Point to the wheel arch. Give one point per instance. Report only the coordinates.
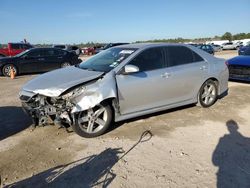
(215, 80)
(114, 104)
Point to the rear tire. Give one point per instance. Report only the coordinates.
(208, 94)
(7, 68)
(93, 122)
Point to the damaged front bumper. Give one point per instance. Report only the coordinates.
(46, 110)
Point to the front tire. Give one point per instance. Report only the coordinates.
(93, 122)
(7, 70)
(208, 94)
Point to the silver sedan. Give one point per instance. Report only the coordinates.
(125, 82)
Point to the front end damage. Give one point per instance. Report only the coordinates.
(61, 109)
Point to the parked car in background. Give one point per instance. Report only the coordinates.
(207, 48)
(244, 50)
(37, 60)
(239, 67)
(13, 49)
(98, 48)
(113, 44)
(230, 46)
(69, 48)
(125, 82)
(216, 47)
(88, 51)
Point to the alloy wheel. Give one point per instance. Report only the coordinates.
(7, 70)
(93, 120)
(209, 94)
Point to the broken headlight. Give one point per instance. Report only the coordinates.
(74, 93)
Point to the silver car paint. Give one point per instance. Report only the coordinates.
(132, 92)
(95, 93)
(54, 83)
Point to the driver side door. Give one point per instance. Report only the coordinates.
(29, 63)
(147, 88)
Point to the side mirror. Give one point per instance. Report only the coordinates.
(130, 69)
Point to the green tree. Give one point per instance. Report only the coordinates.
(227, 36)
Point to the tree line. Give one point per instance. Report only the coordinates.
(226, 36)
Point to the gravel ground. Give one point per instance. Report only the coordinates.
(189, 147)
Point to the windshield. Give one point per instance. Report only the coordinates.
(107, 60)
(20, 54)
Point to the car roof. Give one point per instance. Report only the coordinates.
(148, 45)
(46, 48)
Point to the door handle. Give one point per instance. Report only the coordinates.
(59, 57)
(40, 59)
(166, 75)
(203, 67)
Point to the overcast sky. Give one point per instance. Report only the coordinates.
(76, 21)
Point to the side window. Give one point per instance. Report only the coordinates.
(60, 52)
(35, 53)
(179, 55)
(149, 59)
(197, 58)
(26, 46)
(15, 46)
(49, 52)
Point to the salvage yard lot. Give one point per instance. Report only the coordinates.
(184, 150)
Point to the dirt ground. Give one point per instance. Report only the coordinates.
(189, 147)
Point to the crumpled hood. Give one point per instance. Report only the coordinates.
(54, 83)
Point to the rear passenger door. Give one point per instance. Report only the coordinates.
(52, 59)
(187, 73)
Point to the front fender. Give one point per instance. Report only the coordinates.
(95, 93)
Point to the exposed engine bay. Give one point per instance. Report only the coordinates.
(46, 110)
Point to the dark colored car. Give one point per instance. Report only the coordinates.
(13, 49)
(239, 68)
(37, 60)
(207, 48)
(113, 44)
(244, 50)
(73, 49)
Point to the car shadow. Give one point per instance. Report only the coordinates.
(12, 120)
(91, 171)
(232, 156)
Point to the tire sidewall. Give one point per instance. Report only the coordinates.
(75, 126)
(200, 102)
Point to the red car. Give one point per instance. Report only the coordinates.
(14, 48)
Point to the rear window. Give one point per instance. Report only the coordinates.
(60, 52)
(16, 46)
